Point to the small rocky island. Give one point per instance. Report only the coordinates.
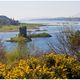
(24, 37)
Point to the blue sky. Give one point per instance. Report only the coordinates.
(39, 9)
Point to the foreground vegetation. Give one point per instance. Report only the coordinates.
(48, 66)
(8, 28)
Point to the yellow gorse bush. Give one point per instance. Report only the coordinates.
(48, 66)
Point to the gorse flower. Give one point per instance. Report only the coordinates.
(48, 66)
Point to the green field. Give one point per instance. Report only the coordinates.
(10, 28)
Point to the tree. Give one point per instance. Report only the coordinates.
(68, 41)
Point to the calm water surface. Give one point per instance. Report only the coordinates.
(40, 44)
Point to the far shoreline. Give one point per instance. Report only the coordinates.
(15, 28)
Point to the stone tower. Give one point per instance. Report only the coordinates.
(23, 31)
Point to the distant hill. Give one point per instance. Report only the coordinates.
(4, 20)
(51, 19)
(58, 19)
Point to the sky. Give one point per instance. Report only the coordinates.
(39, 9)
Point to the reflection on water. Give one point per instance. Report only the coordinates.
(25, 49)
(22, 49)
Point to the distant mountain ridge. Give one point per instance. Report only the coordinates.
(38, 20)
(59, 19)
(4, 20)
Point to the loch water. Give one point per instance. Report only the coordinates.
(37, 45)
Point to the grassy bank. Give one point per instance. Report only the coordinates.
(39, 35)
(8, 28)
(48, 66)
(19, 39)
